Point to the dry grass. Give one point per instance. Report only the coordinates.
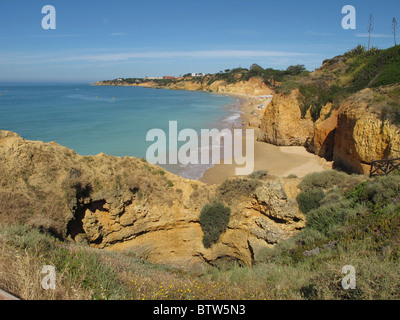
(84, 273)
(20, 274)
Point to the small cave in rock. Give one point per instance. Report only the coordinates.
(328, 146)
(75, 225)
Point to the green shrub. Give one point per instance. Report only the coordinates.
(357, 51)
(358, 193)
(391, 112)
(214, 219)
(315, 96)
(232, 189)
(310, 199)
(377, 193)
(259, 174)
(327, 218)
(329, 179)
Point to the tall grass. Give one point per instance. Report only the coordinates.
(80, 274)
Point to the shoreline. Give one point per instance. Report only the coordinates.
(280, 161)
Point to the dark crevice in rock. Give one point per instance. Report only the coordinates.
(75, 225)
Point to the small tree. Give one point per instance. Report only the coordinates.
(394, 24)
(256, 70)
(295, 70)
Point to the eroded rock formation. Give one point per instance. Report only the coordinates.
(129, 205)
(282, 123)
(352, 135)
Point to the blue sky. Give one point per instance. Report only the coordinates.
(96, 40)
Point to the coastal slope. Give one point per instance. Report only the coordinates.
(129, 205)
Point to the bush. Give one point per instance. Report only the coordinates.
(232, 189)
(391, 112)
(259, 174)
(310, 199)
(327, 218)
(214, 219)
(314, 96)
(377, 193)
(357, 51)
(328, 179)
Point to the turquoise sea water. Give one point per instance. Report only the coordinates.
(113, 120)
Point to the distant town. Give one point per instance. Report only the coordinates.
(195, 75)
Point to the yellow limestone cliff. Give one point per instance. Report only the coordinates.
(127, 204)
(253, 87)
(352, 135)
(282, 123)
(362, 135)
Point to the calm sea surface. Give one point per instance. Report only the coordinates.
(113, 120)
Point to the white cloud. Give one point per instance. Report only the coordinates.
(373, 35)
(207, 54)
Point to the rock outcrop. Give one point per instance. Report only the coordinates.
(322, 140)
(363, 136)
(282, 123)
(127, 204)
(352, 135)
(254, 86)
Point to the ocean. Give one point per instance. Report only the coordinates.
(112, 120)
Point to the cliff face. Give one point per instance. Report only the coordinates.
(282, 123)
(127, 204)
(254, 86)
(362, 135)
(322, 140)
(352, 135)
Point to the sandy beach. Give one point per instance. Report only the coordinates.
(278, 161)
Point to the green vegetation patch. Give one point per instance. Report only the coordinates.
(310, 199)
(214, 219)
(233, 189)
(355, 223)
